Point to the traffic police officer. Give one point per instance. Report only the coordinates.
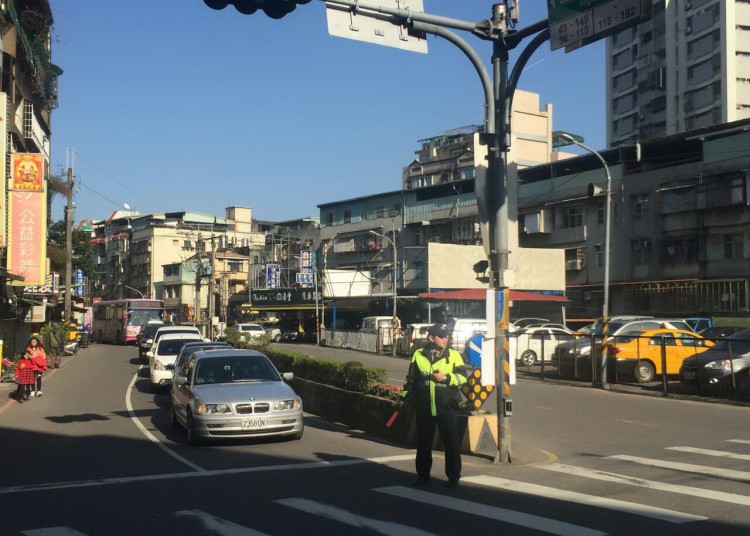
(432, 388)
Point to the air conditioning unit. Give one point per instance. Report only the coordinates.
(574, 264)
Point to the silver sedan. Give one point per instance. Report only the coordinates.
(218, 394)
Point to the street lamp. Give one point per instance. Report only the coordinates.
(395, 265)
(135, 289)
(577, 140)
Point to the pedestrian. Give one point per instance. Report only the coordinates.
(432, 389)
(24, 374)
(39, 361)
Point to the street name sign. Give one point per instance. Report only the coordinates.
(574, 23)
(361, 24)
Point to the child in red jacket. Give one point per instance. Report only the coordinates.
(39, 360)
(24, 374)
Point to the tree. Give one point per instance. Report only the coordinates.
(81, 249)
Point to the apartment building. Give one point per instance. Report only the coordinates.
(686, 68)
(680, 233)
(435, 207)
(28, 95)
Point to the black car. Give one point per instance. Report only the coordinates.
(718, 332)
(296, 336)
(146, 334)
(712, 370)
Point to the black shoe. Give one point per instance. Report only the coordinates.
(421, 482)
(452, 483)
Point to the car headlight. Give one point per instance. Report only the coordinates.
(288, 404)
(210, 409)
(720, 364)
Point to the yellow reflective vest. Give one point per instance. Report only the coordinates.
(420, 386)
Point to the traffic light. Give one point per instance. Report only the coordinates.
(273, 8)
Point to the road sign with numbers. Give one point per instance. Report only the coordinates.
(574, 23)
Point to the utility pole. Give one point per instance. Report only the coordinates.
(68, 248)
(211, 259)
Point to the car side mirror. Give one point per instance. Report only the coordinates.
(149, 354)
(288, 376)
(179, 380)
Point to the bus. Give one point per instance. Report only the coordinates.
(119, 321)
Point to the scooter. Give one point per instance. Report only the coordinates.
(71, 348)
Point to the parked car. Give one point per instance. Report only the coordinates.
(699, 323)
(461, 329)
(581, 347)
(219, 394)
(718, 332)
(273, 330)
(296, 336)
(712, 370)
(415, 336)
(249, 331)
(527, 345)
(521, 323)
(161, 359)
(638, 353)
(153, 331)
(192, 347)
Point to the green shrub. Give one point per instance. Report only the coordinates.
(351, 376)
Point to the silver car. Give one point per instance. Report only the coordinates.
(218, 394)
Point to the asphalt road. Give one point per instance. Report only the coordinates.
(95, 456)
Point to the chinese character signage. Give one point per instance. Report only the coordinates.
(27, 237)
(305, 269)
(51, 285)
(273, 275)
(283, 297)
(79, 288)
(28, 172)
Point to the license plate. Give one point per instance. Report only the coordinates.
(688, 375)
(253, 424)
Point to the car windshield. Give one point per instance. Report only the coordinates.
(233, 369)
(171, 347)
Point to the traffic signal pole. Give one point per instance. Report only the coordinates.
(492, 192)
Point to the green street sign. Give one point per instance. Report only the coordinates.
(574, 23)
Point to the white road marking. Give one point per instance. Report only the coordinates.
(148, 434)
(745, 441)
(651, 484)
(663, 514)
(686, 467)
(337, 514)
(707, 452)
(200, 474)
(53, 531)
(217, 525)
(640, 423)
(512, 517)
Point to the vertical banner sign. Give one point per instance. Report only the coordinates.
(273, 275)
(79, 289)
(306, 267)
(27, 237)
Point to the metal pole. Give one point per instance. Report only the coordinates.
(395, 292)
(607, 237)
(68, 248)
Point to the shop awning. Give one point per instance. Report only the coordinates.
(481, 294)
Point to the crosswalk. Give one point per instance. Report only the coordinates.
(575, 490)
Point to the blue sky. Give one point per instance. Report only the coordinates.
(170, 105)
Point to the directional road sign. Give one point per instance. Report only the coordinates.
(574, 23)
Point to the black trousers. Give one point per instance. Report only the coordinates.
(446, 423)
(23, 391)
(38, 383)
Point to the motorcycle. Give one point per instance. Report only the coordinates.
(71, 348)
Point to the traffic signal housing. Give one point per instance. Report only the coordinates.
(275, 9)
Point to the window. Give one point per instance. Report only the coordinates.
(600, 257)
(601, 213)
(641, 250)
(733, 245)
(418, 237)
(347, 216)
(418, 268)
(329, 218)
(234, 265)
(574, 217)
(640, 206)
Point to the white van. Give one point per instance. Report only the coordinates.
(461, 329)
(382, 326)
